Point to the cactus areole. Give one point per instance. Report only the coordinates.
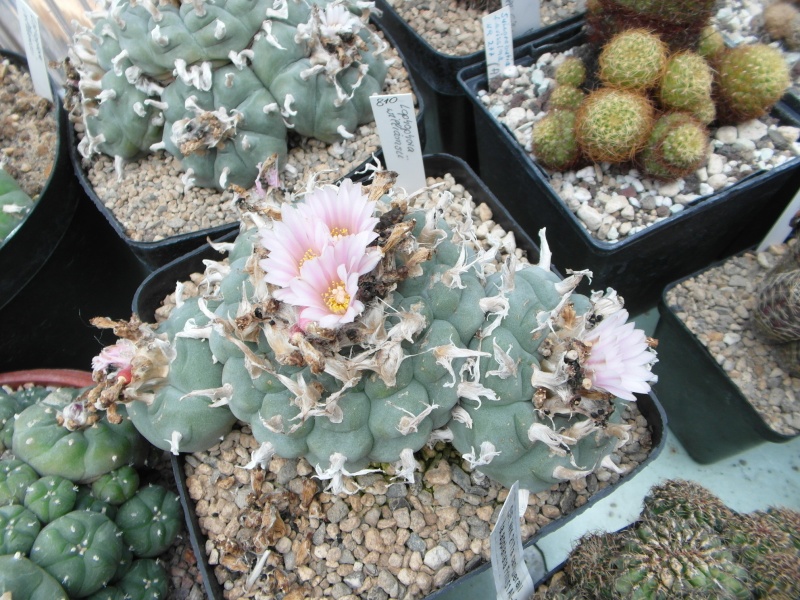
(349, 330)
(219, 84)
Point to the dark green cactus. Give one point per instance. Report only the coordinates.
(51, 497)
(15, 478)
(81, 550)
(85, 500)
(150, 521)
(117, 486)
(80, 456)
(22, 578)
(18, 529)
(145, 580)
(11, 404)
(687, 500)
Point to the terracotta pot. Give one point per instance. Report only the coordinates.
(56, 377)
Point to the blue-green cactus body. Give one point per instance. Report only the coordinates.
(79, 456)
(23, 578)
(150, 521)
(13, 403)
(50, 497)
(81, 550)
(18, 529)
(15, 478)
(14, 205)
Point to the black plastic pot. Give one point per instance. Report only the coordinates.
(640, 265)
(157, 254)
(449, 113)
(715, 420)
(162, 282)
(62, 267)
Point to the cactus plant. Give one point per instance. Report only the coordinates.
(678, 146)
(14, 205)
(81, 550)
(145, 580)
(13, 402)
(84, 500)
(777, 313)
(150, 520)
(50, 497)
(571, 72)
(634, 59)
(15, 477)
(553, 138)
(613, 125)
(565, 97)
(18, 529)
(22, 578)
(116, 487)
(750, 80)
(686, 543)
(350, 353)
(686, 83)
(42, 442)
(218, 84)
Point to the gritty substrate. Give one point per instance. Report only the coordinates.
(392, 540)
(151, 202)
(716, 306)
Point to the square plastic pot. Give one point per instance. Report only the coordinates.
(62, 266)
(715, 420)
(640, 265)
(162, 282)
(157, 254)
(449, 114)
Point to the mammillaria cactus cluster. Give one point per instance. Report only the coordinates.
(663, 76)
(76, 520)
(218, 85)
(686, 544)
(350, 331)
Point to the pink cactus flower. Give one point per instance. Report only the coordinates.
(327, 289)
(344, 210)
(620, 358)
(117, 357)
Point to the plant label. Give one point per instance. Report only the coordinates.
(396, 122)
(782, 228)
(511, 577)
(34, 51)
(526, 16)
(498, 42)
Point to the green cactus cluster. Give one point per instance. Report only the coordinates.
(91, 530)
(776, 316)
(686, 544)
(440, 352)
(15, 204)
(653, 105)
(219, 85)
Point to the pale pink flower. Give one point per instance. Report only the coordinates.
(327, 289)
(620, 359)
(344, 210)
(118, 357)
(291, 241)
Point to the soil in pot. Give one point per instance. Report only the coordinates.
(152, 203)
(716, 306)
(453, 27)
(28, 130)
(406, 540)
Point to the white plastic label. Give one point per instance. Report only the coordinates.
(511, 577)
(498, 42)
(526, 15)
(34, 51)
(781, 230)
(397, 128)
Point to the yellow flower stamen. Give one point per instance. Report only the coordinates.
(337, 298)
(339, 232)
(307, 256)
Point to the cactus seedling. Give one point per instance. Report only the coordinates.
(554, 143)
(677, 146)
(750, 80)
(612, 125)
(353, 331)
(571, 72)
(686, 84)
(565, 97)
(633, 60)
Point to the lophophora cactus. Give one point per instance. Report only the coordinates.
(351, 332)
(686, 544)
(777, 313)
(15, 204)
(219, 85)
